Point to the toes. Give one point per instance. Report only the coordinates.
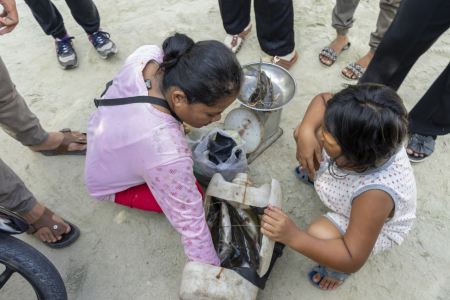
(316, 277)
(77, 147)
(57, 218)
(41, 237)
(416, 154)
(336, 284)
(409, 151)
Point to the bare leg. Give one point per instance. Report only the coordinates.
(324, 229)
(340, 42)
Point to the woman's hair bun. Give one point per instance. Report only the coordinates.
(174, 47)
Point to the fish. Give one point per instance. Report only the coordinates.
(213, 222)
(226, 223)
(263, 96)
(242, 241)
(250, 221)
(260, 91)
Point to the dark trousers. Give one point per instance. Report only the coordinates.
(417, 25)
(274, 22)
(83, 11)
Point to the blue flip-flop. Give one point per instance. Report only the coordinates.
(303, 176)
(323, 272)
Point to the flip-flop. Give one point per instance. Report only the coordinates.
(329, 53)
(303, 176)
(56, 228)
(68, 139)
(420, 144)
(323, 272)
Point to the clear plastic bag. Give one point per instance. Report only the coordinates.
(199, 141)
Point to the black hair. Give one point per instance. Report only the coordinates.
(369, 123)
(205, 71)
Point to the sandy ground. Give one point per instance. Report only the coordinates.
(130, 254)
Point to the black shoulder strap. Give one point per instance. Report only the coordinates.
(131, 100)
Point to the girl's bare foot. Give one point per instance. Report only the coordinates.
(340, 42)
(363, 62)
(44, 233)
(328, 283)
(55, 139)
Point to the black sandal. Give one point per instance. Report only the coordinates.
(56, 228)
(420, 144)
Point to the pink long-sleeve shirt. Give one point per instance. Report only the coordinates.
(133, 144)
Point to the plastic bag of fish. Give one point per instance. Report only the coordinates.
(235, 234)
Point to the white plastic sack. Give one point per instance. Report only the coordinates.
(198, 140)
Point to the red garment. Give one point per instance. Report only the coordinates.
(141, 197)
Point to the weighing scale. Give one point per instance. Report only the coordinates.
(258, 127)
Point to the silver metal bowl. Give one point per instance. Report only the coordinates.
(283, 82)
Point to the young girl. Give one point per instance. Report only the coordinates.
(138, 155)
(365, 178)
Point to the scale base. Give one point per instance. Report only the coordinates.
(264, 145)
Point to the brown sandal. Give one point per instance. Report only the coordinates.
(68, 139)
(241, 35)
(56, 228)
(284, 63)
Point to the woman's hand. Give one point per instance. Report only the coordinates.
(277, 226)
(9, 18)
(307, 147)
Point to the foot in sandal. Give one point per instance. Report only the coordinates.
(356, 70)
(64, 142)
(330, 53)
(324, 278)
(286, 61)
(235, 42)
(50, 228)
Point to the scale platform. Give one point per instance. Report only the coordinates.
(259, 128)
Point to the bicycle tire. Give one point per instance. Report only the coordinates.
(32, 266)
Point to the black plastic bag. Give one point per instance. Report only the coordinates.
(221, 149)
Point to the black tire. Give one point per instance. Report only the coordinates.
(32, 265)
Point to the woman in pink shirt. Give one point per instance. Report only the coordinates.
(138, 155)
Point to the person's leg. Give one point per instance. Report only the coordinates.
(414, 29)
(51, 21)
(275, 27)
(48, 17)
(341, 20)
(323, 228)
(15, 196)
(388, 9)
(431, 115)
(235, 15)
(20, 123)
(85, 14)
(141, 197)
(236, 22)
(16, 119)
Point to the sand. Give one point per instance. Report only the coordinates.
(125, 253)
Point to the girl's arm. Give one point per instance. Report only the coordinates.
(307, 144)
(347, 254)
(174, 187)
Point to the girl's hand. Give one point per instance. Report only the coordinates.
(277, 226)
(307, 147)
